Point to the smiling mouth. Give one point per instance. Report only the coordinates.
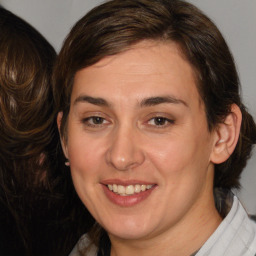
(128, 190)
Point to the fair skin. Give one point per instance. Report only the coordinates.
(136, 119)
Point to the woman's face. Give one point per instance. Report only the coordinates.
(138, 143)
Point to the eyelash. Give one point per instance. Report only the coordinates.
(87, 120)
(160, 122)
(160, 119)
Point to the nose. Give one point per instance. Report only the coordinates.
(125, 152)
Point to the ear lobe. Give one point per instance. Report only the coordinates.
(227, 134)
(62, 137)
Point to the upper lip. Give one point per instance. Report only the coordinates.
(125, 182)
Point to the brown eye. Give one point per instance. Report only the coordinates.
(95, 121)
(159, 121)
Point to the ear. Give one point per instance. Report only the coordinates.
(63, 139)
(227, 134)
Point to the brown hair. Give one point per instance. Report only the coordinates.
(116, 25)
(26, 120)
(32, 183)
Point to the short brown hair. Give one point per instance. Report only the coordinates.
(116, 25)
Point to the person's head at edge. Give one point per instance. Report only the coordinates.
(26, 103)
(25, 96)
(121, 29)
(31, 174)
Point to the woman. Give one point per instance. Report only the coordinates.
(35, 216)
(154, 131)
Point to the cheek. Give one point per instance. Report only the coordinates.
(172, 154)
(82, 154)
(87, 160)
(83, 150)
(83, 158)
(181, 155)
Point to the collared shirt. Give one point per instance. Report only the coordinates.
(235, 236)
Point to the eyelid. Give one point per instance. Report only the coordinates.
(170, 119)
(89, 116)
(160, 114)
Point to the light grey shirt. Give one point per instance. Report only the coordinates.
(235, 236)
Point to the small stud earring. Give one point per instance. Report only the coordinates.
(67, 163)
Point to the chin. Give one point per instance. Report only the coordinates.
(129, 229)
(128, 235)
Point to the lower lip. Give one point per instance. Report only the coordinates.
(127, 201)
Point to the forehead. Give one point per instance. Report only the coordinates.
(146, 69)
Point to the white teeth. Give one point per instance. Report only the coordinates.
(120, 189)
(128, 190)
(143, 187)
(115, 188)
(137, 188)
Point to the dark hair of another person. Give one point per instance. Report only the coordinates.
(34, 213)
(117, 25)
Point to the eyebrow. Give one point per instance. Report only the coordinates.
(92, 100)
(152, 101)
